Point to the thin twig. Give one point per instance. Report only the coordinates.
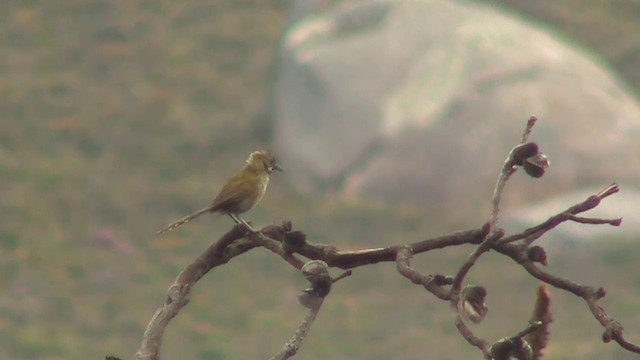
(342, 276)
(594, 221)
(529, 329)
(293, 345)
(454, 300)
(527, 130)
(588, 204)
(508, 168)
(589, 294)
(276, 247)
(433, 284)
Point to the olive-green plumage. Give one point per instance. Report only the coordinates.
(241, 193)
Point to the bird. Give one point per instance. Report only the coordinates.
(241, 193)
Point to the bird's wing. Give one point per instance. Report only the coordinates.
(232, 194)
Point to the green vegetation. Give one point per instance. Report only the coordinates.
(117, 117)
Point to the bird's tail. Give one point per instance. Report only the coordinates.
(184, 220)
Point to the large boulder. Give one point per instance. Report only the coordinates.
(419, 102)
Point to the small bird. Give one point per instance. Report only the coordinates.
(241, 193)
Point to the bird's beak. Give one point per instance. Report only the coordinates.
(277, 167)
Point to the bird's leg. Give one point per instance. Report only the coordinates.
(240, 220)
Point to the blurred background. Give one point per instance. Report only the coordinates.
(391, 119)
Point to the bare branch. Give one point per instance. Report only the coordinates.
(468, 335)
(527, 130)
(508, 168)
(591, 295)
(342, 276)
(293, 345)
(529, 329)
(317, 273)
(466, 303)
(588, 204)
(351, 259)
(594, 221)
(276, 247)
(230, 245)
(455, 292)
(433, 283)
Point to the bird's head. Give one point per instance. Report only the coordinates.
(263, 160)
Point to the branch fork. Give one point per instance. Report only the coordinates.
(467, 302)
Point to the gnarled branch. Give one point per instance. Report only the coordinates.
(466, 301)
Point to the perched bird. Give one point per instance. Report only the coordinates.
(241, 193)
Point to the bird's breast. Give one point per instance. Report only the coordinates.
(262, 188)
(257, 192)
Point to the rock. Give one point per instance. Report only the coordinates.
(419, 103)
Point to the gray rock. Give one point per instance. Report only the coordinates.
(419, 102)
